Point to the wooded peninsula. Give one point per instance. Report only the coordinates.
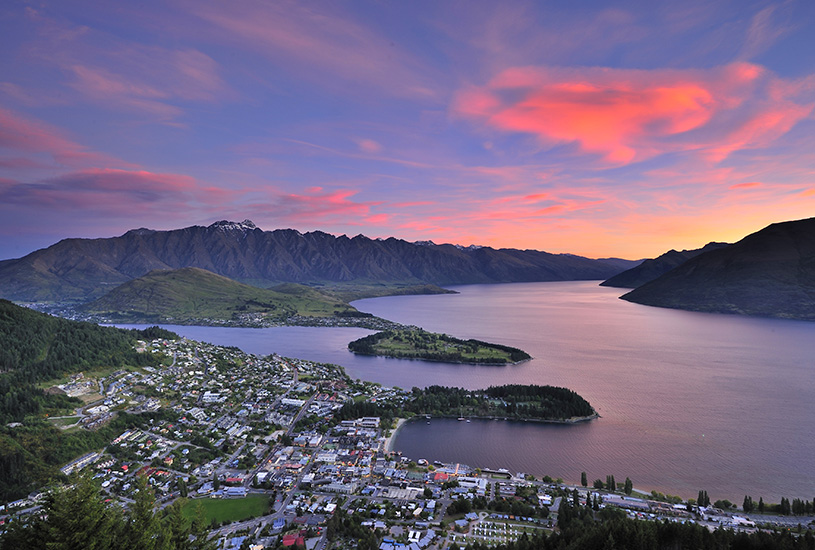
(511, 402)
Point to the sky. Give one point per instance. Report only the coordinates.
(604, 129)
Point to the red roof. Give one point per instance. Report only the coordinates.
(300, 541)
(440, 476)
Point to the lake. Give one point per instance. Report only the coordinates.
(689, 401)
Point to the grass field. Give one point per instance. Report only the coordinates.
(228, 509)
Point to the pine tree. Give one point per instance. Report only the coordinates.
(182, 487)
(584, 480)
(73, 518)
(761, 504)
(612, 485)
(142, 529)
(629, 486)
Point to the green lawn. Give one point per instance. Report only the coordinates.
(228, 509)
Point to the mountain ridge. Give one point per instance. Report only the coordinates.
(84, 269)
(652, 268)
(768, 273)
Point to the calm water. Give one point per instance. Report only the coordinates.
(688, 401)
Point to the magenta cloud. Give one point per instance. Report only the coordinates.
(625, 115)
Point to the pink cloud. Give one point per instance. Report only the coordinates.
(35, 138)
(369, 146)
(320, 42)
(746, 185)
(631, 115)
(314, 207)
(149, 79)
(377, 219)
(111, 191)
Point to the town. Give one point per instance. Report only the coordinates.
(256, 446)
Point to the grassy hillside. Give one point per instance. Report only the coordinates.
(189, 294)
(429, 346)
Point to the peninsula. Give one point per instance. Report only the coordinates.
(415, 343)
(510, 402)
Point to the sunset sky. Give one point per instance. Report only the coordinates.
(595, 128)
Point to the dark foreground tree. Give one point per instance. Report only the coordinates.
(78, 517)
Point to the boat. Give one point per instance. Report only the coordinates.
(468, 421)
(461, 419)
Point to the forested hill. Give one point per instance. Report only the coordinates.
(35, 347)
(84, 269)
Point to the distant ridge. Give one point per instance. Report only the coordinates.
(769, 273)
(83, 269)
(649, 270)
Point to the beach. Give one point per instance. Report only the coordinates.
(388, 446)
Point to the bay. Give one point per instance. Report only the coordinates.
(689, 401)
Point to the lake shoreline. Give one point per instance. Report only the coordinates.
(391, 439)
(507, 364)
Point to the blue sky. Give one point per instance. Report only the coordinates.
(597, 128)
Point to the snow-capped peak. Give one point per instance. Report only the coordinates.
(225, 225)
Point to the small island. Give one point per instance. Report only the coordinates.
(415, 343)
(531, 403)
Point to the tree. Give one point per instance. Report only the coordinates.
(182, 487)
(77, 517)
(611, 485)
(73, 518)
(216, 482)
(629, 486)
(784, 508)
(747, 505)
(761, 504)
(142, 528)
(584, 480)
(598, 484)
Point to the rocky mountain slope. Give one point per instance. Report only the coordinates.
(651, 269)
(82, 269)
(768, 273)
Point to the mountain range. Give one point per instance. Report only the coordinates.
(85, 269)
(655, 267)
(768, 273)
